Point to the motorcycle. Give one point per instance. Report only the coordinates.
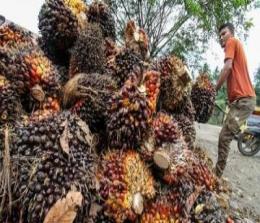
(248, 140)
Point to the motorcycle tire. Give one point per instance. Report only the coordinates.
(251, 147)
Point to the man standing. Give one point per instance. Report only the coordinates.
(241, 94)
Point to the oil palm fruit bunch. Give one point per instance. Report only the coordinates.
(175, 82)
(49, 107)
(136, 39)
(99, 12)
(188, 129)
(87, 55)
(123, 64)
(87, 95)
(163, 136)
(160, 210)
(170, 205)
(129, 116)
(166, 129)
(111, 49)
(125, 182)
(57, 56)
(60, 21)
(151, 82)
(203, 98)
(185, 107)
(53, 161)
(10, 105)
(12, 35)
(186, 166)
(27, 67)
(100, 217)
(207, 209)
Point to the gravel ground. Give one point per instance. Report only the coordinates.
(243, 173)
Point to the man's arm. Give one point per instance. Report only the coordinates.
(224, 73)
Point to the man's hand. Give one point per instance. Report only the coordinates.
(224, 73)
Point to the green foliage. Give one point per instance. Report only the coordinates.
(182, 27)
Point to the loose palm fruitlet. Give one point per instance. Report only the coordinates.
(207, 209)
(87, 95)
(136, 39)
(99, 12)
(123, 64)
(60, 22)
(53, 156)
(186, 166)
(27, 67)
(12, 35)
(125, 182)
(188, 129)
(10, 105)
(175, 82)
(129, 117)
(203, 98)
(88, 53)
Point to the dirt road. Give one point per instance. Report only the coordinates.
(242, 172)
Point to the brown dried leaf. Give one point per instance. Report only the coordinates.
(64, 139)
(84, 127)
(64, 210)
(94, 209)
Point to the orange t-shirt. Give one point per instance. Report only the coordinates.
(239, 84)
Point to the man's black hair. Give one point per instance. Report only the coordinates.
(2, 20)
(229, 25)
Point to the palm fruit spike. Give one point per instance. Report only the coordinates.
(87, 55)
(55, 155)
(175, 82)
(125, 182)
(188, 129)
(151, 81)
(99, 12)
(136, 39)
(203, 98)
(186, 166)
(129, 117)
(185, 107)
(10, 105)
(26, 67)
(206, 208)
(60, 21)
(87, 95)
(12, 35)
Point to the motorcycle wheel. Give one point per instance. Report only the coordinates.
(247, 144)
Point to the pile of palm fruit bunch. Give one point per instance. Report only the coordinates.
(97, 132)
(203, 98)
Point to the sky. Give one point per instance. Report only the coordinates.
(25, 13)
